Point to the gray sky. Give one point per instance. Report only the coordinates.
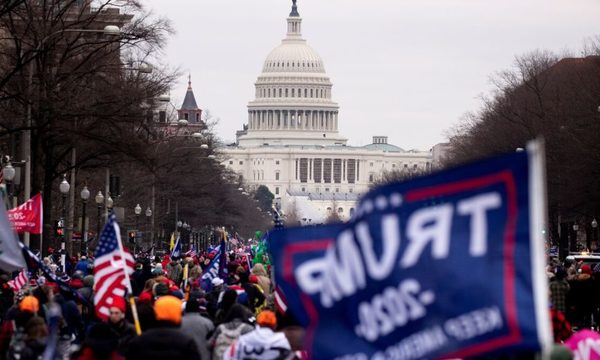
(408, 69)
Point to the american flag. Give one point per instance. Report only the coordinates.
(111, 273)
(20, 281)
(191, 252)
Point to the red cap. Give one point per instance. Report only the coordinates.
(119, 303)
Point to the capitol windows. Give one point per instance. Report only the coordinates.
(303, 170)
(269, 93)
(337, 171)
(350, 170)
(303, 189)
(276, 162)
(241, 163)
(277, 175)
(305, 92)
(351, 211)
(371, 178)
(327, 171)
(340, 210)
(280, 92)
(326, 189)
(230, 162)
(286, 92)
(185, 116)
(311, 93)
(371, 164)
(337, 190)
(293, 92)
(277, 191)
(317, 169)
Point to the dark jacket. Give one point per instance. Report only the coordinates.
(165, 341)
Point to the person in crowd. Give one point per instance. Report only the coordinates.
(236, 324)
(6, 295)
(84, 265)
(142, 273)
(197, 326)
(175, 271)
(559, 288)
(230, 297)
(146, 295)
(123, 330)
(582, 298)
(215, 295)
(255, 297)
(32, 343)
(263, 343)
(13, 333)
(164, 340)
(86, 308)
(100, 344)
(259, 271)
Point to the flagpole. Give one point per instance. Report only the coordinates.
(136, 320)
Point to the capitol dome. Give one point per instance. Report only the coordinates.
(293, 102)
(293, 56)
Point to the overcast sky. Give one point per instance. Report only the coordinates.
(408, 69)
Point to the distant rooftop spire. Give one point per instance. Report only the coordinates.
(189, 102)
(294, 12)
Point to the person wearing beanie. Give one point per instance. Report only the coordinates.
(30, 303)
(124, 331)
(197, 326)
(274, 344)
(583, 298)
(164, 340)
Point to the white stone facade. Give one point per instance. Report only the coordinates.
(291, 142)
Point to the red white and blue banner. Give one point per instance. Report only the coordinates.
(448, 265)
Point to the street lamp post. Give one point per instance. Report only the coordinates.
(137, 210)
(99, 201)
(148, 218)
(595, 232)
(64, 188)
(85, 195)
(8, 172)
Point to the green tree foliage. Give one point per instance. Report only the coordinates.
(264, 197)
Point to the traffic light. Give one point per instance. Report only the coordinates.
(131, 236)
(58, 228)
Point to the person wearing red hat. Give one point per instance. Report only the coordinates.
(583, 297)
(122, 329)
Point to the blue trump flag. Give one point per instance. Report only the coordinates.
(217, 268)
(446, 265)
(177, 248)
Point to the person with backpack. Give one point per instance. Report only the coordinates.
(263, 343)
(236, 324)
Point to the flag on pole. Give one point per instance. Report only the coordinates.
(17, 283)
(176, 251)
(28, 216)
(192, 252)
(172, 242)
(11, 257)
(111, 268)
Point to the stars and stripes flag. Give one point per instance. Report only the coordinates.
(17, 283)
(192, 252)
(111, 271)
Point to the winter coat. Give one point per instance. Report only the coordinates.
(165, 341)
(198, 327)
(226, 334)
(260, 344)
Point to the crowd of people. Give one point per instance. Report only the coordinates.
(179, 317)
(182, 316)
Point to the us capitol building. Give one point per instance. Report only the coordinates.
(291, 142)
